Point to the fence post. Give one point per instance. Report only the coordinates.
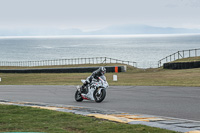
(195, 52)
(189, 53)
(178, 54)
(170, 58)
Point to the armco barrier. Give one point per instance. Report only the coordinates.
(182, 65)
(65, 70)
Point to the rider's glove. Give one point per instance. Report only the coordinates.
(90, 79)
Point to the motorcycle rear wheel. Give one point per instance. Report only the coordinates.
(78, 96)
(99, 97)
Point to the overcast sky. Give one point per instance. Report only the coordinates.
(96, 14)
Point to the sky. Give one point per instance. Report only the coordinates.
(89, 15)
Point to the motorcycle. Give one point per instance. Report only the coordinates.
(96, 90)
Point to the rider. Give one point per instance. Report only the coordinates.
(99, 72)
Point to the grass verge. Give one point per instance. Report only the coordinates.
(133, 77)
(28, 119)
(189, 59)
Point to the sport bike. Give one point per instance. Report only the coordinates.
(95, 90)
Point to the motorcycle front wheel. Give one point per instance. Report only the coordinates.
(78, 96)
(99, 97)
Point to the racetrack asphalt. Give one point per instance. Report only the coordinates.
(168, 101)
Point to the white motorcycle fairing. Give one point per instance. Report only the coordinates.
(94, 89)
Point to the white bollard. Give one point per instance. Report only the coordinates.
(114, 77)
(0, 79)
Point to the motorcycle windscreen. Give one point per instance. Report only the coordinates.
(103, 77)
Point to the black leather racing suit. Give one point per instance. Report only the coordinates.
(95, 75)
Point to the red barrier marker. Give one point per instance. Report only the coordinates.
(116, 69)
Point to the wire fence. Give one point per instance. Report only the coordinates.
(74, 61)
(179, 55)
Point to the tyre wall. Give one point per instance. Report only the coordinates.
(66, 70)
(182, 65)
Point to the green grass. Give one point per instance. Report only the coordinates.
(135, 77)
(28, 119)
(190, 59)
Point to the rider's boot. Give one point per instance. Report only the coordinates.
(82, 88)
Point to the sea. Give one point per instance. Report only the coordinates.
(146, 50)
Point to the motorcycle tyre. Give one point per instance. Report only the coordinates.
(103, 91)
(78, 96)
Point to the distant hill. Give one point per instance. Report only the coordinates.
(112, 30)
(143, 29)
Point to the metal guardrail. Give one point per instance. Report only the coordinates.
(179, 55)
(74, 61)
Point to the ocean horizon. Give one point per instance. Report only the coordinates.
(107, 36)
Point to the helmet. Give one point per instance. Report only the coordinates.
(102, 70)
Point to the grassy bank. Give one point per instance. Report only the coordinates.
(27, 119)
(135, 77)
(190, 59)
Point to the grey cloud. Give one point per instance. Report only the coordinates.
(86, 13)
